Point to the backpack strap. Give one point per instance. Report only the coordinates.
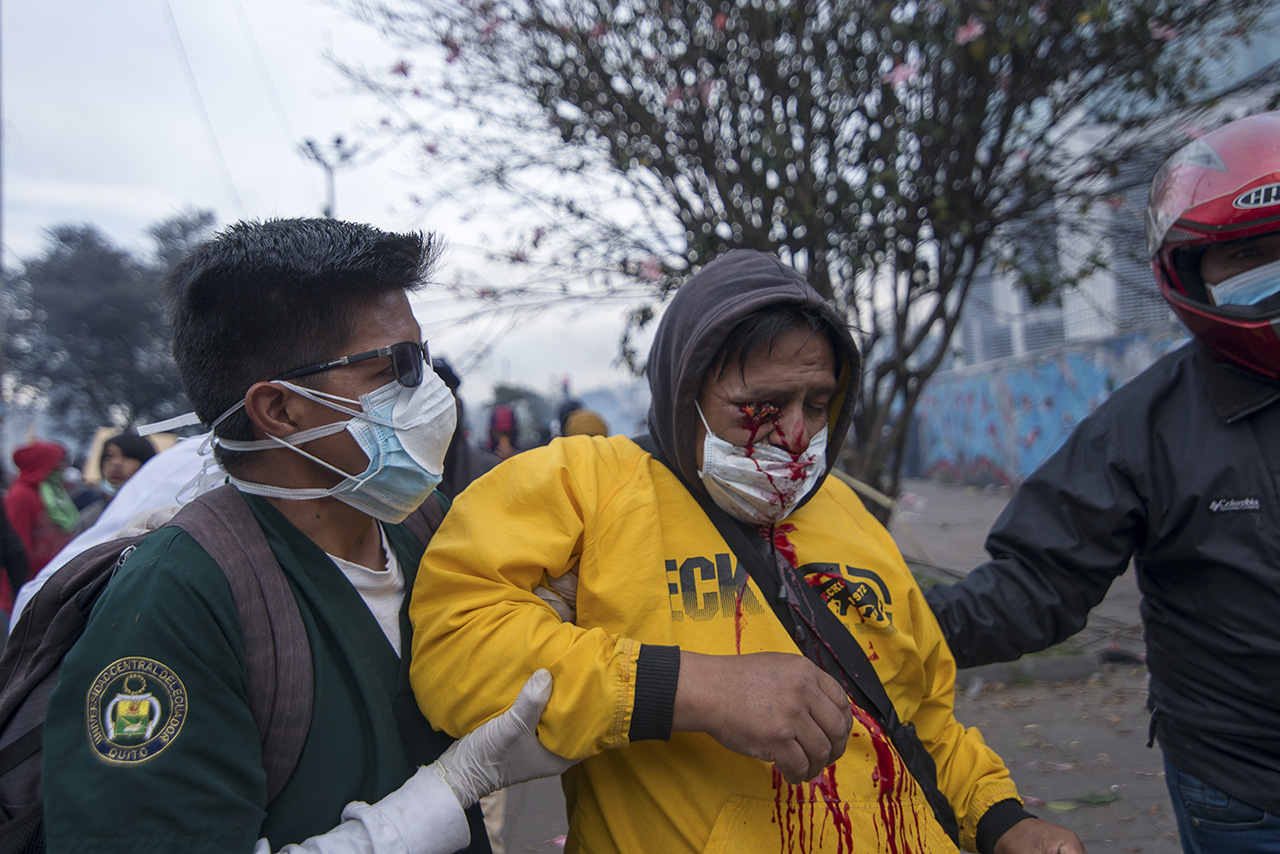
(422, 523)
(278, 661)
(52, 621)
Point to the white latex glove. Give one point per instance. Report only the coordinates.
(503, 751)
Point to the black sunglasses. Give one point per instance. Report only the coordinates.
(407, 359)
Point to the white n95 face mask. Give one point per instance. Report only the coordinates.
(404, 432)
(762, 484)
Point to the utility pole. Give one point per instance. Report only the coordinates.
(341, 155)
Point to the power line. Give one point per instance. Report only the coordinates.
(194, 89)
(264, 73)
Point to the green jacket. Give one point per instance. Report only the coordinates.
(149, 736)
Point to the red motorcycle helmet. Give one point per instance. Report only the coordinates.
(1222, 187)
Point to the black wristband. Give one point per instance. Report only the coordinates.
(996, 822)
(657, 674)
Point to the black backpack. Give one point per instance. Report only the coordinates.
(277, 652)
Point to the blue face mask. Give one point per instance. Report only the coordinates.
(1248, 288)
(404, 432)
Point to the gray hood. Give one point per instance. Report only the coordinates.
(699, 319)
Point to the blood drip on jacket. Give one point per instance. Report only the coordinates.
(799, 832)
(890, 776)
(891, 780)
(779, 536)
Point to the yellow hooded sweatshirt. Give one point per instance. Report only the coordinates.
(604, 523)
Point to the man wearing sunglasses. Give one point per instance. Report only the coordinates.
(297, 345)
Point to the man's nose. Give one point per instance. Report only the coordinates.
(789, 431)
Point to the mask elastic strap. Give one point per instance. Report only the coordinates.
(186, 420)
(270, 443)
(324, 399)
(315, 396)
(268, 491)
(698, 407)
(209, 477)
(299, 438)
(305, 436)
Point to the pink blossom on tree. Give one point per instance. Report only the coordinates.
(903, 72)
(970, 31)
(862, 160)
(650, 270)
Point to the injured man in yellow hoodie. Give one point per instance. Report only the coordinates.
(742, 660)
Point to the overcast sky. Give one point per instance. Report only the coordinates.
(101, 126)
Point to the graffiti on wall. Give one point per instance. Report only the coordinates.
(995, 423)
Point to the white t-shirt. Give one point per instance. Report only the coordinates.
(381, 589)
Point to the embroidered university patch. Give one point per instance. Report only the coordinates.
(135, 707)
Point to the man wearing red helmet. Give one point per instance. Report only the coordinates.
(1177, 471)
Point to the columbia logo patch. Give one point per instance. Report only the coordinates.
(1232, 505)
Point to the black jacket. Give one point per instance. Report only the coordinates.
(1177, 469)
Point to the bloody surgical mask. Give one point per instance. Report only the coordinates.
(761, 483)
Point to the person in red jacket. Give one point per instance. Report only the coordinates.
(39, 509)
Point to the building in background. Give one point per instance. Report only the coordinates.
(1022, 375)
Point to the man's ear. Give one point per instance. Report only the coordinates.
(273, 409)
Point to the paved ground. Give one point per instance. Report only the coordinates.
(1076, 744)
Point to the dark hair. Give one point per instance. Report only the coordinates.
(132, 445)
(263, 298)
(567, 408)
(766, 326)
